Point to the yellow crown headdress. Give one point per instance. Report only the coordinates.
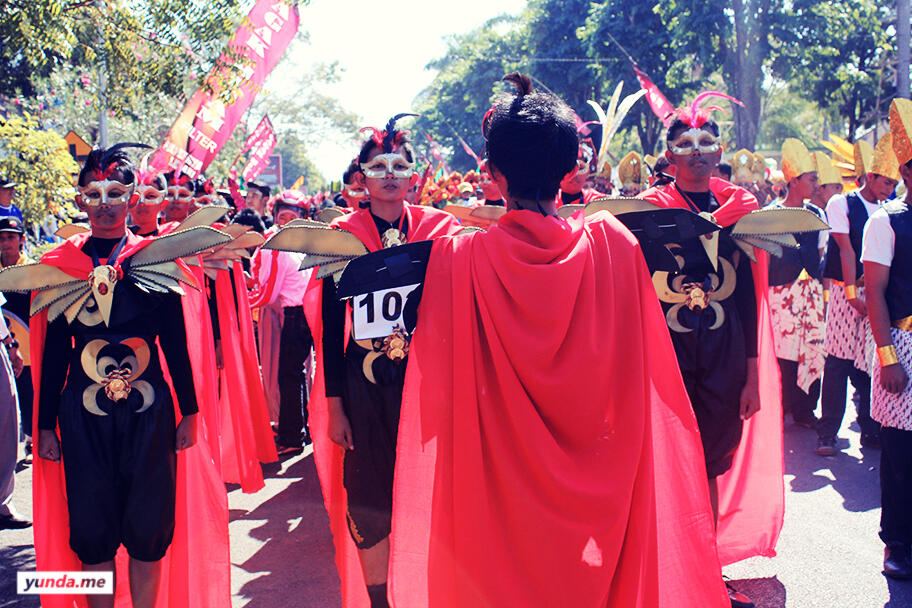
(796, 160)
(826, 172)
(884, 161)
(630, 171)
(862, 154)
(901, 128)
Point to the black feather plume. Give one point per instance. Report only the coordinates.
(522, 83)
(390, 132)
(99, 159)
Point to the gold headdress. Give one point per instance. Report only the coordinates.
(796, 160)
(900, 127)
(631, 171)
(759, 168)
(611, 122)
(826, 173)
(863, 155)
(884, 161)
(742, 164)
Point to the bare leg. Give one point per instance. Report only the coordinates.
(714, 499)
(375, 562)
(100, 601)
(144, 577)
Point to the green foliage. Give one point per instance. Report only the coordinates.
(469, 75)
(837, 53)
(295, 162)
(40, 163)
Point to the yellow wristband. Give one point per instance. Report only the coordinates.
(851, 292)
(826, 295)
(887, 355)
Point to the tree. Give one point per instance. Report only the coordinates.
(468, 76)
(838, 54)
(638, 27)
(40, 162)
(296, 162)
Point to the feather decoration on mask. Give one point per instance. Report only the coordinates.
(696, 116)
(611, 121)
(102, 162)
(389, 138)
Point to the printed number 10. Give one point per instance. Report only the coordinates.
(391, 306)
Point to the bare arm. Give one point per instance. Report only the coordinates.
(847, 259)
(892, 377)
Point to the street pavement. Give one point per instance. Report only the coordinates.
(829, 555)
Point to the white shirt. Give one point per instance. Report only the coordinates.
(837, 211)
(879, 240)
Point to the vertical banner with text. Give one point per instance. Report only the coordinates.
(660, 105)
(260, 149)
(210, 116)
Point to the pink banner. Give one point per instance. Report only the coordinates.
(261, 146)
(660, 105)
(208, 120)
(258, 134)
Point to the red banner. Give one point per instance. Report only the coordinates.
(262, 141)
(661, 107)
(208, 120)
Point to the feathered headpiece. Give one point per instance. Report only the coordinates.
(696, 116)
(389, 138)
(203, 186)
(522, 84)
(611, 122)
(176, 178)
(149, 176)
(102, 162)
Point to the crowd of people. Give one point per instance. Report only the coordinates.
(424, 333)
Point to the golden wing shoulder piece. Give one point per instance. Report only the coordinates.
(204, 216)
(480, 217)
(34, 277)
(567, 211)
(316, 240)
(177, 245)
(329, 214)
(68, 230)
(617, 205)
(778, 221)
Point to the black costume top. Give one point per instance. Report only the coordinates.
(787, 268)
(899, 288)
(858, 215)
(334, 325)
(123, 351)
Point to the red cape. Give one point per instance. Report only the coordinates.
(752, 493)
(525, 475)
(195, 571)
(423, 223)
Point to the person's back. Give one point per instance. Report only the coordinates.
(521, 478)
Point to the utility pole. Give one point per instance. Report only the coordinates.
(902, 47)
(103, 80)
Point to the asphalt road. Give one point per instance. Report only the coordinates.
(829, 553)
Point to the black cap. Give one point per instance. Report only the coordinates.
(266, 190)
(11, 224)
(5, 182)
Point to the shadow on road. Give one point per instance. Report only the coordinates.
(14, 558)
(856, 480)
(295, 564)
(764, 592)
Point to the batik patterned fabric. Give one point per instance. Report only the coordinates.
(799, 326)
(894, 411)
(846, 330)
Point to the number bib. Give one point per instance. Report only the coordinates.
(377, 314)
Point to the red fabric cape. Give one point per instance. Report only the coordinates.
(752, 493)
(525, 478)
(195, 571)
(424, 223)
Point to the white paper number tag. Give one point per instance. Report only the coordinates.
(377, 314)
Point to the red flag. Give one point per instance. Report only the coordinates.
(658, 102)
(208, 120)
(435, 151)
(264, 126)
(469, 150)
(263, 142)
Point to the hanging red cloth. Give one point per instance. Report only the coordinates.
(195, 571)
(527, 474)
(752, 492)
(423, 223)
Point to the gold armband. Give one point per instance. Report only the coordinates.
(887, 355)
(826, 295)
(851, 292)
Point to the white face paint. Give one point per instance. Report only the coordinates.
(695, 139)
(107, 192)
(382, 164)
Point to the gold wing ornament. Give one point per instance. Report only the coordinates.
(239, 240)
(773, 229)
(329, 248)
(482, 217)
(153, 269)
